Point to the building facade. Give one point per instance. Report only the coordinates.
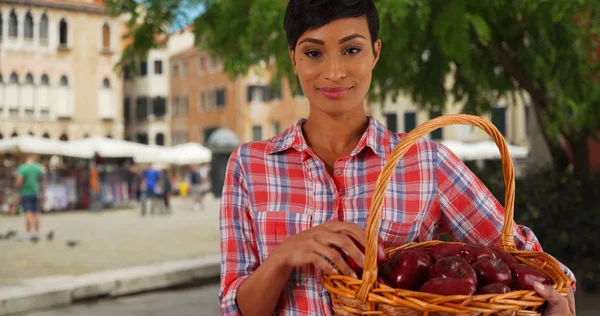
(145, 102)
(57, 76)
(204, 98)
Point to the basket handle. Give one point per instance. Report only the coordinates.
(372, 229)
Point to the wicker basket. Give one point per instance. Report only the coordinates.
(368, 297)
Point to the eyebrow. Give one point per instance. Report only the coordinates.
(321, 42)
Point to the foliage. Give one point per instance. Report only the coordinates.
(562, 210)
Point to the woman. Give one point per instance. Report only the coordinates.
(289, 199)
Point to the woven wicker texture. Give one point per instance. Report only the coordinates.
(368, 297)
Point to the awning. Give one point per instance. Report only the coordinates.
(483, 150)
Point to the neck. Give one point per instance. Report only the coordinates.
(335, 134)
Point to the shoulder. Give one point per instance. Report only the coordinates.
(422, 148)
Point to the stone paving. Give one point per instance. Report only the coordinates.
(108, 239)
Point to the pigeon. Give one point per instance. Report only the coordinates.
(72, 243)
(50, 235)
(10, 234)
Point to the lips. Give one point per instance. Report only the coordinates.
(334, 92)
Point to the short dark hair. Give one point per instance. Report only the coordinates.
(304, 15)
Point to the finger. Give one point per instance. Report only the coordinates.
(571, 301)
(322, 264)
(550, 294)
(352, 229)
(345, 243)
(335, 257)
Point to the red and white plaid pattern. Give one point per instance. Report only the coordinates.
(278, 187)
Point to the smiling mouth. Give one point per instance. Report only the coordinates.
(334, 93)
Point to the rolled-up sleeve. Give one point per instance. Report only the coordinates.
(237, 241)
(470, 212)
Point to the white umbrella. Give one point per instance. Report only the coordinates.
(114, 148)
(43, 146)
(483, 150)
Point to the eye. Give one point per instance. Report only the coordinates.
(352, 51)
(312, 53)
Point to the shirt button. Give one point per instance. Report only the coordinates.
(337, 172)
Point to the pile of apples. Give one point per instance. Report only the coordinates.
(454, 269)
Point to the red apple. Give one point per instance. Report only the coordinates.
(446, 286)
(453, 268)
(381, 256)
(445, 250)
(492, 270)
(407, 269)
(505, 256)
(524, 276)
(494, 288)
(472, 252)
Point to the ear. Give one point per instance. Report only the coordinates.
(293, 57)
(376, 52)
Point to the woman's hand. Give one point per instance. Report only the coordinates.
(313, 245)
(558, 305)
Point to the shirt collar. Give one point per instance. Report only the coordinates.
(376, 137)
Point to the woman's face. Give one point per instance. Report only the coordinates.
(334, 64)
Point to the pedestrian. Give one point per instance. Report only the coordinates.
(195, 180)
(289, 199)
(29, 182)
(167, 187)
(150, 179)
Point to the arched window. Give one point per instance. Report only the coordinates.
(64, 81)
(64, 137)
(160, 139)
(45, 81)
(46, 135)
(44, 29)
(29, 79)
(28, 26)
(14, 134)
(109, 136)
(14, 78)
(13, 24)
(30, 133)
(1, 79)
(1, 28)
(105, 36)
(62, 32)
(106, 83)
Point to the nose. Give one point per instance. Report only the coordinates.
(335, 69)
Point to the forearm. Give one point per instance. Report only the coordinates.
(259, 293)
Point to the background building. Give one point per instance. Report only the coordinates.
(57, 76)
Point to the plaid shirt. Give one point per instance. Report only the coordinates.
(278, 187)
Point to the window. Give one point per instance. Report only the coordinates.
(126, 72)
(202, 65)
(1, 30)
(499, 119)
(64, 137)
(158, 67)
(29, 79)
(14, 78)
(143, 68)
(106, 37)
(45, 81)
(410, 121)
(213, 64)
(202, 101)
(438, 134)
(220, 102)
(28, 26)
(62, 32)
(175, 70)
(391, 122)
(106, 83)
(46, 135)
(527, 110)
(29, 114)
(14, 134)
(159, 105)
(64, 81)
(159, 139)
(184, 69)
(142, 138)
(13, 25)
(141, 108)
(256, 132)
(44, 29)
(127, 110)
(276, 128)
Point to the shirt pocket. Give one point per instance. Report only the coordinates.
(395, 234)
(272, 228)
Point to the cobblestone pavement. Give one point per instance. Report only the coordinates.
(108, 240)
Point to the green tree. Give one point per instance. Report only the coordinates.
(492, 48)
